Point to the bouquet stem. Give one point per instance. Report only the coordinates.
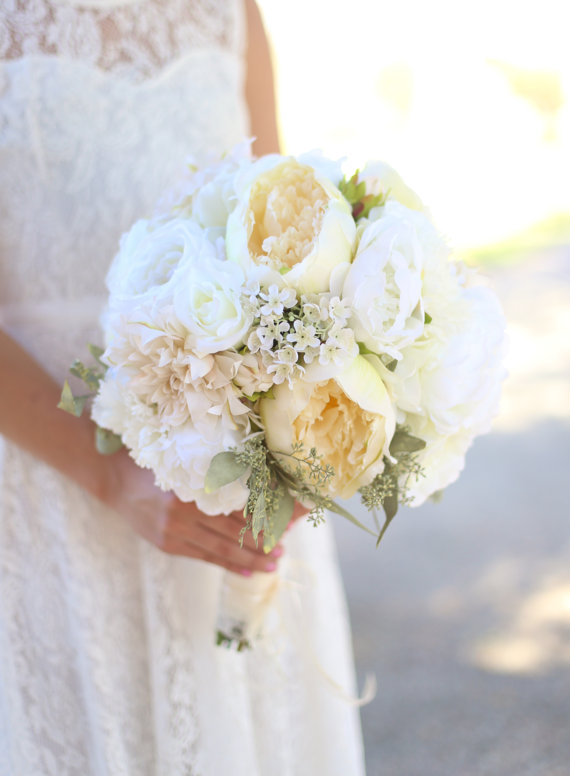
(244, 602)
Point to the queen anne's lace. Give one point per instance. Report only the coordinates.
(107, 665)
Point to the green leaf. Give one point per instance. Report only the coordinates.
(334, 507)
(106, 441)
(427, 318)
(87, 374)
(70, 403)
(278, 521)
(402, 442)
(259, 516)
(97, 352)
(224, 468)
(391, 365)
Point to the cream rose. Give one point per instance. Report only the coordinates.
(349, 420)
(292, 219)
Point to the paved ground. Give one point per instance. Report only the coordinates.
(464, 613)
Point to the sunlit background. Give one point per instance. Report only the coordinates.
(464, 612)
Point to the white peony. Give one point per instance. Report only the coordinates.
(382, 179)
(452, 374)
(291, 219)
(209, 303)
(349, 420)
(383, 284)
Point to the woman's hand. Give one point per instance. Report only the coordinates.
(180, 528)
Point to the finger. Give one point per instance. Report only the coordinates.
(229, 526)
(227, 548)
(188, 550)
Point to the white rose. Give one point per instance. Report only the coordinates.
(208, 302)
(349, 420)
(290, 218)
(149, 254)
(383, 284)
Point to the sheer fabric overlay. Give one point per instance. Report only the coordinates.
(107, 661)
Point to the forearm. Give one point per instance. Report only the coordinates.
(259, 87)
(29, 417)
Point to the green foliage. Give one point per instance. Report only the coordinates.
(427, 318)
(354, 191)
(70, 403)
(106, 441)
(224, 468)
(390, 488)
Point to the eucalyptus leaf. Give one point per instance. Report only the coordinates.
(106, 441)
(87, 374)
(334, 507)
(278, 521)
(402, 442)
(70, 403)
(224, 468)
(97, 352)
(259, 516)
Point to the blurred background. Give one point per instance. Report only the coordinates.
(463, 613)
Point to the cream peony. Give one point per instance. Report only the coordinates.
(349, 420)
(291, 219)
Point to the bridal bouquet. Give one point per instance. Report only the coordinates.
(279, 332)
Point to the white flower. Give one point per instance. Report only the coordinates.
(339, 311)
(303, 336)
(271, 331)
(452, 375)
(349, 420)
(252, 376)
(149, 254)
(380, 178)
(276, 300)
(290, 218)
(384, 283)
(206, 194)
(208, 302)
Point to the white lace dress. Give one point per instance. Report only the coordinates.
(107, 661)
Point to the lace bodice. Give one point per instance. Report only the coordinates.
(101, 102)
(135, 39)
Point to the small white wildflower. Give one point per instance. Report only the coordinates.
(254, 342)
(310, 354)
(303, 336)
(286, 355)
(271, 330)
(339, 310)
(276, 300)
(312, 312)
(281, 371)
(342, 337)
